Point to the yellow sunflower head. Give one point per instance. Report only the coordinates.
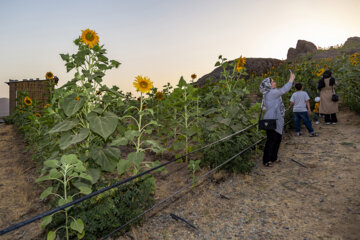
(320, 72)
(240, 63)
(193, 76)
(47, 105)
(159, 96)
(37, 114)
(49, 75)
(89, 37)
(27, 101)
(142, 84)
(77, 98)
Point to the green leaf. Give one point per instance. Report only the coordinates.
(107, 158)
(114, 63)
(136, 157)
(85, 176)
(152, 113)
(51, 235)
(46, 193)
(45, 221)
(157, 163)
(77, 225)
(43, 178)
(130, 134)
(69, 159)
(102, 58)
(121, 141)
(154, 145)
(55, 173)
(51, 163)
(225, 121)
(178, 145)
(63, 126)
(65, 57)
(182, 82)
(68, 140)
(103, 125)
(64, 201)
(83, 187)
(71, 105)
(123, 165)
(81, 235)
(95, 174)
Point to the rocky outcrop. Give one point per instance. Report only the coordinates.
(351, 46)
(302, 47)
(258, 66)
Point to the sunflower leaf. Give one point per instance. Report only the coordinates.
(65, 57)
(114, 63)
(107, 158)
(103, 125)
(63, 126)
(72, 104)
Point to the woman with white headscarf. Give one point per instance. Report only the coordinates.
(274, 110)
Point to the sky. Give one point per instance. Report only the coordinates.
(163, 39)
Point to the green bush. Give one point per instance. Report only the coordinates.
(106, 212)
(225, 150)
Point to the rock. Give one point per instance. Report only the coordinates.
(302, 47)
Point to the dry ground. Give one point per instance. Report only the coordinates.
(19, 195)
(288, 201)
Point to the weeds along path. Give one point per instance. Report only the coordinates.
(19, 194)
(287, 201)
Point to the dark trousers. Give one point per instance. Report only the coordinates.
(330, 118)
(271, 146)
(305, 117)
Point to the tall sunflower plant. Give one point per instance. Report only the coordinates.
(140, 126)
(185, 118)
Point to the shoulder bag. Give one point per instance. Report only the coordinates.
(266, 124)
(334, 97)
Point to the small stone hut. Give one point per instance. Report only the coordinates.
(37, 89)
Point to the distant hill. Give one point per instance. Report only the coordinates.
(303, 49)
(4, 107)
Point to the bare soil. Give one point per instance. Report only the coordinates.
(320, 200)
(19, 194)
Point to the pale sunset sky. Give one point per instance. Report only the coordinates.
(163, 39)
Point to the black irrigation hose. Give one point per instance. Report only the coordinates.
(26, 222)
(181, 189)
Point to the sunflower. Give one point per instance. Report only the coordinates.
(38, 114)
(28, 101)
(240, 64)
(49, 75)
(193, 76)
(143, 84)
(47, 105)
(77, 98)
(159, 96)
(89, 37)
(320, 72)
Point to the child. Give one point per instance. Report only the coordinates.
(300, 101)
(316, 110)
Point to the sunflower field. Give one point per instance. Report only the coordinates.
(89, 135)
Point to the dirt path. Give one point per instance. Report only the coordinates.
(19, 195)
(287, 201)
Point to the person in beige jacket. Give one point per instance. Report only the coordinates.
(328, 108)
